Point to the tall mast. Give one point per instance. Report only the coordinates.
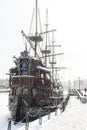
(46, 36)
(53, 62)
(36, 29)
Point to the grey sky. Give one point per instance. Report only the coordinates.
(69, 17)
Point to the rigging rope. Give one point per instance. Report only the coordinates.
(25, 118)
(31, 22)
(20, 121)
(40, 20)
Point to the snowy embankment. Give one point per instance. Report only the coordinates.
(73, 118)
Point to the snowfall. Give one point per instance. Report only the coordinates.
(73, 118)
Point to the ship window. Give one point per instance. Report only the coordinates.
(34, 92)
(18, 91)
(24, 65)
(25, 91)
(37, 73)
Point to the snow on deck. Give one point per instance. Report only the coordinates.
(73, 118)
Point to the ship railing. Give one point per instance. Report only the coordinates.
(22, 80)
(30, 81)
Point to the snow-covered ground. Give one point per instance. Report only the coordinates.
(73, 118)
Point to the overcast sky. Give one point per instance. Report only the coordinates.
(69, 17)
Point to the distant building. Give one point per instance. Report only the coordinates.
(82, 83)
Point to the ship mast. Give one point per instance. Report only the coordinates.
(36, 30)
(53, 62)
(46, 37)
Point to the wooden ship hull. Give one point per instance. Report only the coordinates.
(33, 93)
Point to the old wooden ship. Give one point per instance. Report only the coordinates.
(32, 87)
